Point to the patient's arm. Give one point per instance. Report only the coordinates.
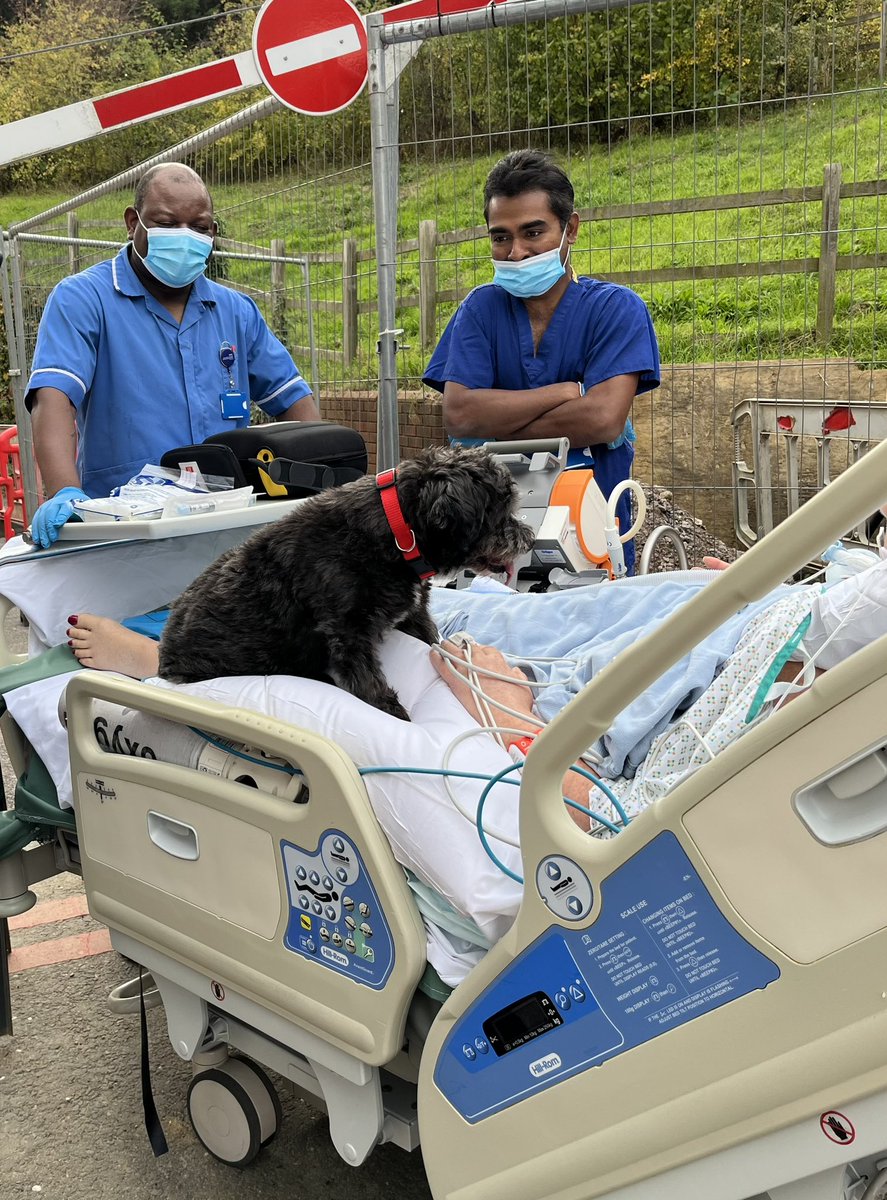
(515, 695)
(106, 645)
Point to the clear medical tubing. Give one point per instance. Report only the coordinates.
(824, 519)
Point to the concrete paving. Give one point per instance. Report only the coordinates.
(71, 1121)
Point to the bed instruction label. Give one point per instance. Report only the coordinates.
(660, 954)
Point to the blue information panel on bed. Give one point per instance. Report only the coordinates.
(660, 954)
(335, 916)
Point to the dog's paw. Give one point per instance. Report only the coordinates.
(393, 707)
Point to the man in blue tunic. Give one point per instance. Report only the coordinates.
(143, 353)
(542, 352)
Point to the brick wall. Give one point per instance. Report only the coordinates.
(421, 423)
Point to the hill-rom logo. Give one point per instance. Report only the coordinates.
(544, 1066)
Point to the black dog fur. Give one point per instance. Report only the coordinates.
(314, 593)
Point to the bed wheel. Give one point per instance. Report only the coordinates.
(234, 1110)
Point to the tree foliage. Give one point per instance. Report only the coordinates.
(676, 62)
(601, 73)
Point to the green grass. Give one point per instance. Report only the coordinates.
(760, 317)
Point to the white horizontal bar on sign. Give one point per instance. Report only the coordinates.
(48, 131)
(309, 51)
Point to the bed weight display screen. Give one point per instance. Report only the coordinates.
(521, 1022)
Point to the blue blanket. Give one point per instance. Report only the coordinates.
(592, 625)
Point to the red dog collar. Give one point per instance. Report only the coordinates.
(404, 538)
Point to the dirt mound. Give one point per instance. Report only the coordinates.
(661, 510)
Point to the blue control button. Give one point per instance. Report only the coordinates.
(562, 1000)
(314, 877)
(328, 883)
(552, 870)
(318, 908)
(338, 845)
(481, 1045)
(342, 875)
(469, 1052)
(330, 912)
(574, 904)
(307, 943)
(301, 873)
(577, 993)
(304, 902)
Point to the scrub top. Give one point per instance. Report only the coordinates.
(143, 383)
(597, 331)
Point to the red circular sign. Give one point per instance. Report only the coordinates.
(311, 56)
(837, 1128)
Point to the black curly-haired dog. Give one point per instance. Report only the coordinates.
(314, 593)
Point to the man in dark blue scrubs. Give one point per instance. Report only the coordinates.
(541, 352)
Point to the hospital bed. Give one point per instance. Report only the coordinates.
(692, 1009)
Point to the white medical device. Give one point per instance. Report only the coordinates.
(576, 527)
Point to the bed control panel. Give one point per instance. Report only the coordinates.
(660, 954)
(335, 917)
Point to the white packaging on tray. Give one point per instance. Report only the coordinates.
(106, 508)
(147, 503)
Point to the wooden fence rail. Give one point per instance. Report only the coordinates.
(825, 266)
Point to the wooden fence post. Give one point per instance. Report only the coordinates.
(349, 299)
(278, 289)
(828, 251)
(427, 283)
(74, 261)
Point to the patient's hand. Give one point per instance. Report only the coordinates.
(516, 694)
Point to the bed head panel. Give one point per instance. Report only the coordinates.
(629, 1089)
(778, 1016)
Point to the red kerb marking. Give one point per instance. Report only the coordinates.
(46, 914)
(146, 99)
(59, 950)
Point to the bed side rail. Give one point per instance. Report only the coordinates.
(240, 882)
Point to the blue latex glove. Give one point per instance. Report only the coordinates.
(52, 514)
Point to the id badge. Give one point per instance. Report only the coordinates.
(234, 405)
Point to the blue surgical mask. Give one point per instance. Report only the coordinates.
(532, 276)
(175, 257)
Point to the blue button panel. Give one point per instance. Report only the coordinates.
(335, 917)
(660, 954)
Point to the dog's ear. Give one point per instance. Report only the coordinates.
(452, 506)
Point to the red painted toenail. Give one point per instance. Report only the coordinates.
(72, 620)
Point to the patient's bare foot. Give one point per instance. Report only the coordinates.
(105, 645)
(516, 695)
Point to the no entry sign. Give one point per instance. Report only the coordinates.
(312, 57)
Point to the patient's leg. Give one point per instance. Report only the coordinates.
(105, 645)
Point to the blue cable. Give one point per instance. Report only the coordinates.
(259, 762)
(490, 782)
(570, 803)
